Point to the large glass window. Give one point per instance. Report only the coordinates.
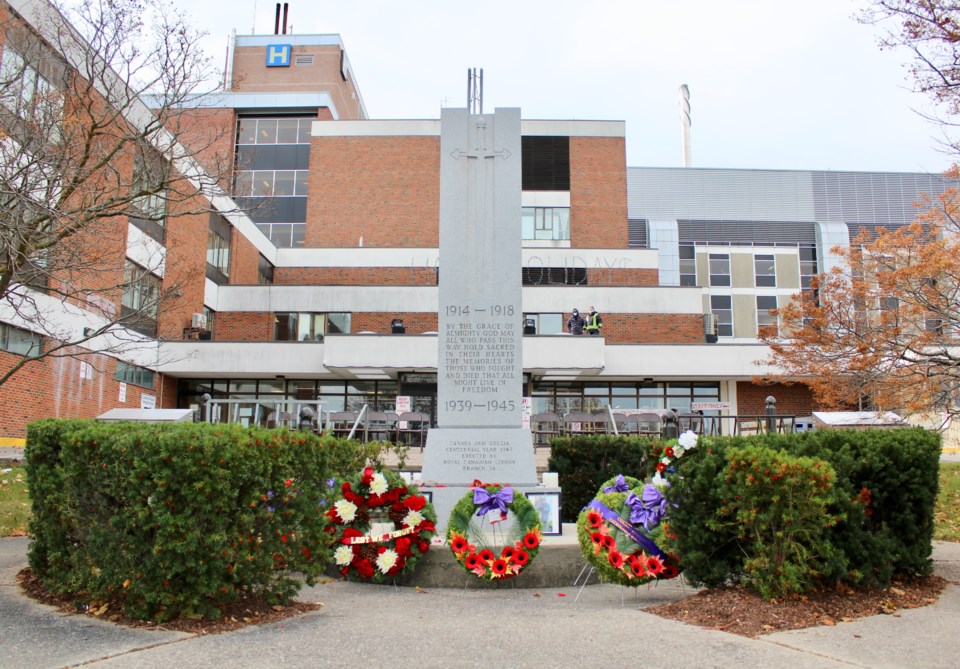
(19, 341)
(303, 326)
(765, 304)
(218, 249)
(808, 265)
(149, 205)
(765, 270)
(721, 306)
(140, 300)
(688, 265)
(28, 93)
(138, 376)
(545, 223)
(543, 324)
(719, 269)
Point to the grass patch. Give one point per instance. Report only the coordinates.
(947, 514)
(14, 502)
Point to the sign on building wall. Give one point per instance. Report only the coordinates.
(278, 55)
(709, 406)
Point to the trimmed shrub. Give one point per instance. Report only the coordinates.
(585, 462)
(174, 520)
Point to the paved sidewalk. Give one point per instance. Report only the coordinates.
(384, 626)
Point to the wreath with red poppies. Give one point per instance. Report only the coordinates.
(494, 532)
(373, 500)
(620, 533)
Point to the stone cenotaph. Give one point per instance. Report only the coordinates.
(479, 433)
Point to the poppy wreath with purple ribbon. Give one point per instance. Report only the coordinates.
(620, 533)
(494, 532)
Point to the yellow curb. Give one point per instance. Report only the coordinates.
(12, 441)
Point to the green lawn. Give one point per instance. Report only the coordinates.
(948, 503)
(14, 502)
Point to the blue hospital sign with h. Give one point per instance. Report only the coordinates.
(278, 55)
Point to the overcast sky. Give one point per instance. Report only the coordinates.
(774, 84)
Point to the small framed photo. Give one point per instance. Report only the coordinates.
(547, 505)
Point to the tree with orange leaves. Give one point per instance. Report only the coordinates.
(882, 330)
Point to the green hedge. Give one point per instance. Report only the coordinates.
(585, 462)
(878, 520)
(174, 520)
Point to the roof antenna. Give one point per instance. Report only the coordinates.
(474, 91)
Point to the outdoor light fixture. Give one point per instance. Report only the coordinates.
(396, 326)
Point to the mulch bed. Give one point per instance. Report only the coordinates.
(740, 611)
(235, 615)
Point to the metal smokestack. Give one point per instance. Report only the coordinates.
(276, 21)
(286, 7)
(685, 123)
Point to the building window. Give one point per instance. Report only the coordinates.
(721, 306)
(149, 208)
(19, 341)
(141, 298)
(271, 183)
(545, 223)
(544, 324)
(302, 326)
(138, 376)
(688, 265)
(28, 93)
(211, 320)
(264, 272)
(765, 304)
(808, 266)
(218, 249)
(719, 269)
(765, 270)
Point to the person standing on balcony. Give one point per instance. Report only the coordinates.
(593, 322)
(575, 323)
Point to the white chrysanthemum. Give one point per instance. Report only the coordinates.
(378, 485)
(413, 518)
(386, 560)
(688, 439)
(665, 460)
(343, 555)
(346, 510)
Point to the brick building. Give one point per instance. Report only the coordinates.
(330, 242)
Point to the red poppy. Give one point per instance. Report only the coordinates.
(521, 557)
(597, 538)
(499, 567)
(608, 541)
(473, 561)
(594, 519)
(486, 555)
(654, 565)
(615, 558)
(531, 540)
(637, 568)
(508, 552)
(670, 571)
(415, 503)
(459, 544)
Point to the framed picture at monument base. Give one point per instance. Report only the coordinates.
(547, 505)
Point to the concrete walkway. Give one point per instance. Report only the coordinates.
(384, 626)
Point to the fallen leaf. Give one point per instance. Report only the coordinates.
(768, 628)
(103, 609)
(828, 622)
(847, 620)
(277, 607)
(897, 591)
(127, 583)
(536, 594)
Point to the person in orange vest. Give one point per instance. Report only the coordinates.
(594, 322)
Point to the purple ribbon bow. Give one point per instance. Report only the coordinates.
(489, 502)
(647, 510)
(620, 485)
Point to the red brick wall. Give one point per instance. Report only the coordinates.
(244, 326)
(598, 192)
(622, 277)
(52, 388)
(415, 322)
(185, 272)
(384, 189)
(792, 400)
(244, 260)
(210, 134)
(355, 276)
(653, 328)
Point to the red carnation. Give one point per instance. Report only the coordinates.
(402, 546)
(423, 546)
(499, 567)
(459, 544)
(367, 477)
(345, 488)
(594, 519)
(415, 503)
(334, 516)
(426, 526)
(350, 533)
(486, 555)
(654, 564)
(531, 540)
(397, 506)
(521, 557)
(615, 558)
(375, 500)
(365, 569)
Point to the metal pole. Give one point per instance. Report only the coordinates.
(771, 410)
